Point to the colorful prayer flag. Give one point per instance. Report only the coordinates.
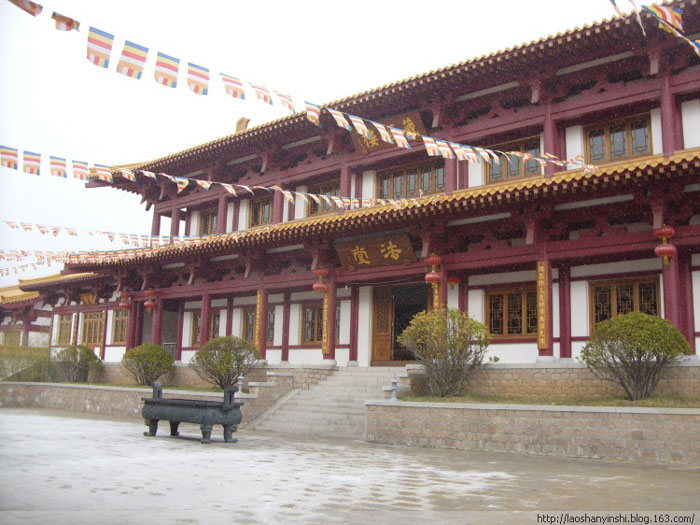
(198, 78)
(459, 151)
(360, 126)
(166, 70)
(286, 101)
(469, 151)
(127, 174)
(229, 188)
(233, 86)
(383, 133)
(99, 47)
(12, 224)
(148, 174)
(313, 112)
(340, 119)
(29, 7)
(262, 94)
(80, 170)
(26, 226)
(182, 183)
(399, 137)
(445, 150)
(103, 172)
(8, 157)
(132, 60)
(670, 15)
(65, 23)
(431, 148)
(32, 163)
(203, 183)
(58, 167)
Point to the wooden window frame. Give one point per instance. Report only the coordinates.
(330, 188)
(271, 324)
(65, 322)
(627, 122)
(523, 291)
(259, 201)
(15, 333)
(245, 325)
(636, 281)
(120, 323)
(317, 307)
(402, 172)
(211, 215)
(92, 326)
(520, 145)
(196, 326)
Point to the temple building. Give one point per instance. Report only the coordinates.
(538, 252)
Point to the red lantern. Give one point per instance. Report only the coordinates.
(320, 288)
(665, 232)
(125, 294)
(433, 260)
(150, 303)
(452, 280)
(432, 278)
(666, 251)
(124, 304)
(321, 272)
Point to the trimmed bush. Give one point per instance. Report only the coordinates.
(221, 360)
(25, 363)
(633, 350)
(76, 361)
(449, 345)
(147, 362)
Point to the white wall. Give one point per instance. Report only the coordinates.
(475, 171)
(294, 325)
(305, 356)
(237, 322)
(114, 354)
(300, 204)
(504, 278)
(40, 339)
(369, 184)
(656, 138)
(453, 295)
(476, 305)
(187, 355)
(187, 329)
(110, 326)
(696, 303)
(640, 265)
(690, 114)
(194, 224)
(279, 320)
(251, 300)
(285, 210)
(574, 142)
(243, 214)
(579, 309)
(229, 217)
(364, 335)
(513, 353)
(273, 357)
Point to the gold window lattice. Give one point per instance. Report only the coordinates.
(610, 299)
(65, 329)
(512, 312)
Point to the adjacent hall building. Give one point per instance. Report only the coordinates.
(540, 254)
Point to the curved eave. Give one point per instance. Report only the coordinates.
(43, 283)
(491, 196)
(18, 301)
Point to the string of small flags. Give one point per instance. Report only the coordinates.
(133, 59)
(669, 18)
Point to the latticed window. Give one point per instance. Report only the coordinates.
(619, 140)
(610, 299)
(512, 312)
(65, 329)
(208, 221)
(93, 325)
(515, 167)
(11, 338)
(260, 212)
(249, 324)
(121, 319)
(411, 182)
(214, 323)
(271, 325)
(331, 189)
(312, 323)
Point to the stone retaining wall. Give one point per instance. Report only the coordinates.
(557, 379)
(643, 434)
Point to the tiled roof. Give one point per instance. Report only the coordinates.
(52, 280)
(10, 295)
(472, 198)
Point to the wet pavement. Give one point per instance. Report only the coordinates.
(63, 468)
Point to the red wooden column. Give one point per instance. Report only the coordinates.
(686, 279)
(285, 326)
(157, 322)
(443, 288)
(464, 294)
(221, 214)
(180, 330)
(229, 316)
(544, 309)
(329, 305)
(354, 321)
(669, 125)
(672, 292)
(450, 175)
(564, 312)
(236, 209)
(550, 138)
(277, 206)
(155, 224)
(138, 329)
(175, 224)
(261, 321)
(345, 175)
(204, 319)
(131, 325)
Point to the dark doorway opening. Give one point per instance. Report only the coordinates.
(408, 301)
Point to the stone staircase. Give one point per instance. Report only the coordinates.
(332, 408)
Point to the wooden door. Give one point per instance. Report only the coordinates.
(382, 323)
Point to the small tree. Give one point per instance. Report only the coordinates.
(449, 345)
(147, 362)
(76, 361)
(633, 350)
(221, 360)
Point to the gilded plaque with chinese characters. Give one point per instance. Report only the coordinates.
(410, 122)
(380, 251)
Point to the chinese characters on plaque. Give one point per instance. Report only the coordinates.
(409, 122)
(379, 251)
(544, 273)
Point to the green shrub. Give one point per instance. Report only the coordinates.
(633, 350)
(147, 362)
(25, 363)
(223, 359)
(449, 345)
(76, 361)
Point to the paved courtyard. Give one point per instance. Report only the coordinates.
(63, 468)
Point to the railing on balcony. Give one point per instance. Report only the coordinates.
(171, 348)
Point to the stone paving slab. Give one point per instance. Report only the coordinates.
(62, 468)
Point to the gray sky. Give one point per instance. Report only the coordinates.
(54, 102)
